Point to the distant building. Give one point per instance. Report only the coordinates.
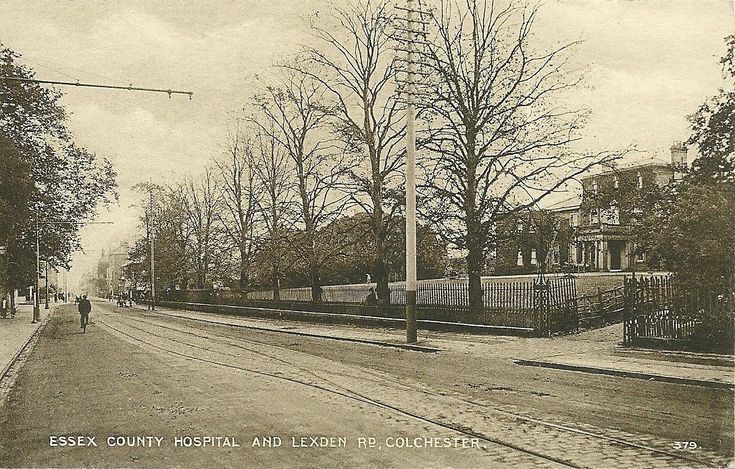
(117, 259)
(107, 278)
(591, 233)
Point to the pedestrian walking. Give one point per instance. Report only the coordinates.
(85, 307)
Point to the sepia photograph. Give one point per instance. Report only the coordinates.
(367, 234)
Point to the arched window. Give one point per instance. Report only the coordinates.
(519, 261)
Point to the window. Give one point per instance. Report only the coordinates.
(519, 226)
(594, 187)
(640, 257)
(573, 220)
(520, 258)
(639, 178)
(612, 215)
(533, 257)
(531, 227)
(594, 216)
(616, 182)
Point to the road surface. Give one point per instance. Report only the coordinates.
(141, 389)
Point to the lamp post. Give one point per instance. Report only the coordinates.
(46, 278)
(37, 290)
(151, 239)
(3, 272)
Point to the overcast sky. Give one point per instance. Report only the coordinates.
(650, 63)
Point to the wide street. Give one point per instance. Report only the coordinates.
(167, 380)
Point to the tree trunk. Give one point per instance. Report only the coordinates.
(275, 274)
(316, 284)
(381, 278)
(244, 270)
(474, 238)
(475, 261)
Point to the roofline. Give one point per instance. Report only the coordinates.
(628, 168)
(660, 164)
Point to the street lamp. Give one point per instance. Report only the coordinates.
(46, 275)
(3, 270)
(36, 306)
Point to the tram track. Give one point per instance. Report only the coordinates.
(519, 416)
(349, 394)
(334, 388)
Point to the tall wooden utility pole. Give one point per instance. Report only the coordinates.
(45, 268)
(410, 29)
(410, 179)
(36, 293)
(153, 250)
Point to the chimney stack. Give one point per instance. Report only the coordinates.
(679, 155)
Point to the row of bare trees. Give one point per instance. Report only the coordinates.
(324, 138)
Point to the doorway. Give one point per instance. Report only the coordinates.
(616, 249)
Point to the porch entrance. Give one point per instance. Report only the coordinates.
(616, 250)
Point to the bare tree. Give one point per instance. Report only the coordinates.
(240, 195)
(202, 203)
(355, 65)
(163, 215)
(498, 133)
(273, 175)
(293, 114)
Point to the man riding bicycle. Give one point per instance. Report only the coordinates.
(85, 307)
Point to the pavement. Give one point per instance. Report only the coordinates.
(17, 337)
(597, 351)
(14, 334)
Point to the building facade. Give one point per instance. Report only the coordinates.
(594, 232)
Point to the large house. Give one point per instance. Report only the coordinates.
(593, 232)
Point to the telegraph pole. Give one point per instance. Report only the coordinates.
(153, 252)
(36, 299)
(45, 268)
(410, 181)
(411, 60)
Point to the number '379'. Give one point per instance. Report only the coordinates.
(685, 445)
